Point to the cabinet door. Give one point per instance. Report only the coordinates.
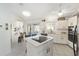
(64, 39)
(60, 39)
(57, 38)
(47, 49)
(72, 21)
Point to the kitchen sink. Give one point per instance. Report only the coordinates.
(41, 39)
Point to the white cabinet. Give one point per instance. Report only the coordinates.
(45, 49)
(72, 21)
(61, 32)
(61, 38)
(61, 25)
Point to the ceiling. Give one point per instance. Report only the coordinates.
(39, 11)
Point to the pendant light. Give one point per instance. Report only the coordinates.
(60, 14)
(60, 11)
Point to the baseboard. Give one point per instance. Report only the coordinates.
(60, 43)
(63, 44)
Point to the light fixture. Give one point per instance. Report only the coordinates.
(60, 11)
(61, 18)
(26, 13)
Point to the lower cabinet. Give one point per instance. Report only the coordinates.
(48, 50)
(60, 38)
(45, 49)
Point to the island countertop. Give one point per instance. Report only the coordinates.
(35, 43)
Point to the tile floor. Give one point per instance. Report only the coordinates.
(62, 50)
(18, 49)
(58, 50)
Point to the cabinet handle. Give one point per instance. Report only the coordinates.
(48, 50)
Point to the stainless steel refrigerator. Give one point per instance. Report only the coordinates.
(73, 37)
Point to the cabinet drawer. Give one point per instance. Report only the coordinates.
(46, 52)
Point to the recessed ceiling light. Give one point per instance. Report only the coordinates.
(21, 4)
(60, 13)
(26, 13)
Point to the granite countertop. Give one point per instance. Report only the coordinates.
(35, 43)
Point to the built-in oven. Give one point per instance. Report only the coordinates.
(72, 37)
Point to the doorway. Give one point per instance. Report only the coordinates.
(16, 29)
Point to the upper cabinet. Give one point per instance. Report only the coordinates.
(72, 21)
(61, 26)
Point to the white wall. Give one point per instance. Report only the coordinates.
(15, 34)
(5, 45)
(4, 42)
(5, 35)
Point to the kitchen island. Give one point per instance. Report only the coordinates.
(39, 45)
